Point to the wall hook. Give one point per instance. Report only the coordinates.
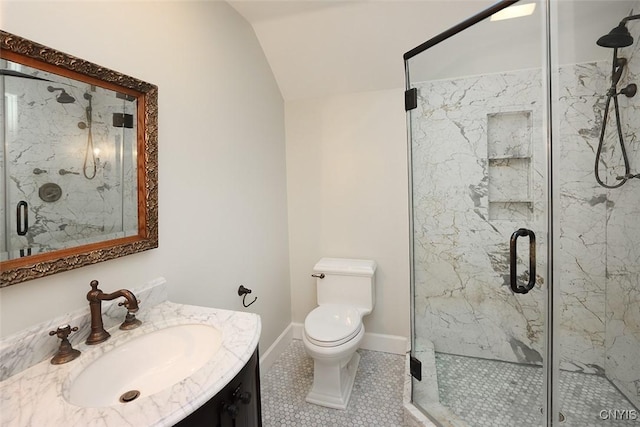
(242, 291)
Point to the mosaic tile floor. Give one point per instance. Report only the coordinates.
(376, 399)
(488, 393)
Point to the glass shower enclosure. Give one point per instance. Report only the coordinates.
(68, 160)
(523, 156)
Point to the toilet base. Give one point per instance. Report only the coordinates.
(332, 384)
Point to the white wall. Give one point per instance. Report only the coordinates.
(346, 46)
(347, 180)
(223, 208)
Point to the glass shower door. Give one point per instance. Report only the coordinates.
(477, 103)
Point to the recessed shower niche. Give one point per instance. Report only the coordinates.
(509, 165)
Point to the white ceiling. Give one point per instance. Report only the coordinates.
(265, 10)
(322, 48)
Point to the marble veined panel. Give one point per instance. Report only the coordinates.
(581, 243)
(623, 287)
(463, 301)
(598, 255)
(622, 343)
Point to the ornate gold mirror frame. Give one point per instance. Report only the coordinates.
(26, 52)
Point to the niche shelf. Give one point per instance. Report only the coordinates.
(509, 165)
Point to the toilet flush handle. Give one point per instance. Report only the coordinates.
(319, 276)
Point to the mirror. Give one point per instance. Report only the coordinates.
(78, 162)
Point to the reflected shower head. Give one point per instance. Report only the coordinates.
(64, 97)
(617, 38)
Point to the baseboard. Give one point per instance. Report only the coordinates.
(377, 342)
(276, 349)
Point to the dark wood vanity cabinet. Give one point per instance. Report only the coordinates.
(236, 405)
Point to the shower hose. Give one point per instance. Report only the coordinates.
(89, 149)
(618, 65)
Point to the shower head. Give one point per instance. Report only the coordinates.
(64, 97)
(617, 38)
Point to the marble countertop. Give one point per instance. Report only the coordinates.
(35, 396)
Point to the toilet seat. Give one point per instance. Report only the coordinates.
(332, 325)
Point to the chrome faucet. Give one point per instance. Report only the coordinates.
(95, 298)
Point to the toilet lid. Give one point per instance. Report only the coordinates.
(332, 325)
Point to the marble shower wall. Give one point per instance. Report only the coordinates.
(472, 139)
(471, 135)
(580, 218)
(45, 137)
(598, 268)
(622, 318)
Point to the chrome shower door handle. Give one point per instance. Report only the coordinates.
(514, 261)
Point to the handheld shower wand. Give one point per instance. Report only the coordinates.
(89, 148)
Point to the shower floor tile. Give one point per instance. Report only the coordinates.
(492, 393)
(376, 399)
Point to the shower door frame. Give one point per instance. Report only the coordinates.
(550, 364)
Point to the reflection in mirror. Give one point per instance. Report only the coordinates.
(78, 162)
(70, 151)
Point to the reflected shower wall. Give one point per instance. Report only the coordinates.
(4, 238)
(495, 181)
(46, 145)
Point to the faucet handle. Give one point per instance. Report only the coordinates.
(126, 303)
(130, 321)
(65, 353)
(63, 331)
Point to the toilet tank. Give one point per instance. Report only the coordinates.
(347, 281)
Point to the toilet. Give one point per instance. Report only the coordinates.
(333, 330)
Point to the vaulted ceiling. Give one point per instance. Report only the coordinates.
(330, 47)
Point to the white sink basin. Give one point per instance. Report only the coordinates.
(147, 364)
